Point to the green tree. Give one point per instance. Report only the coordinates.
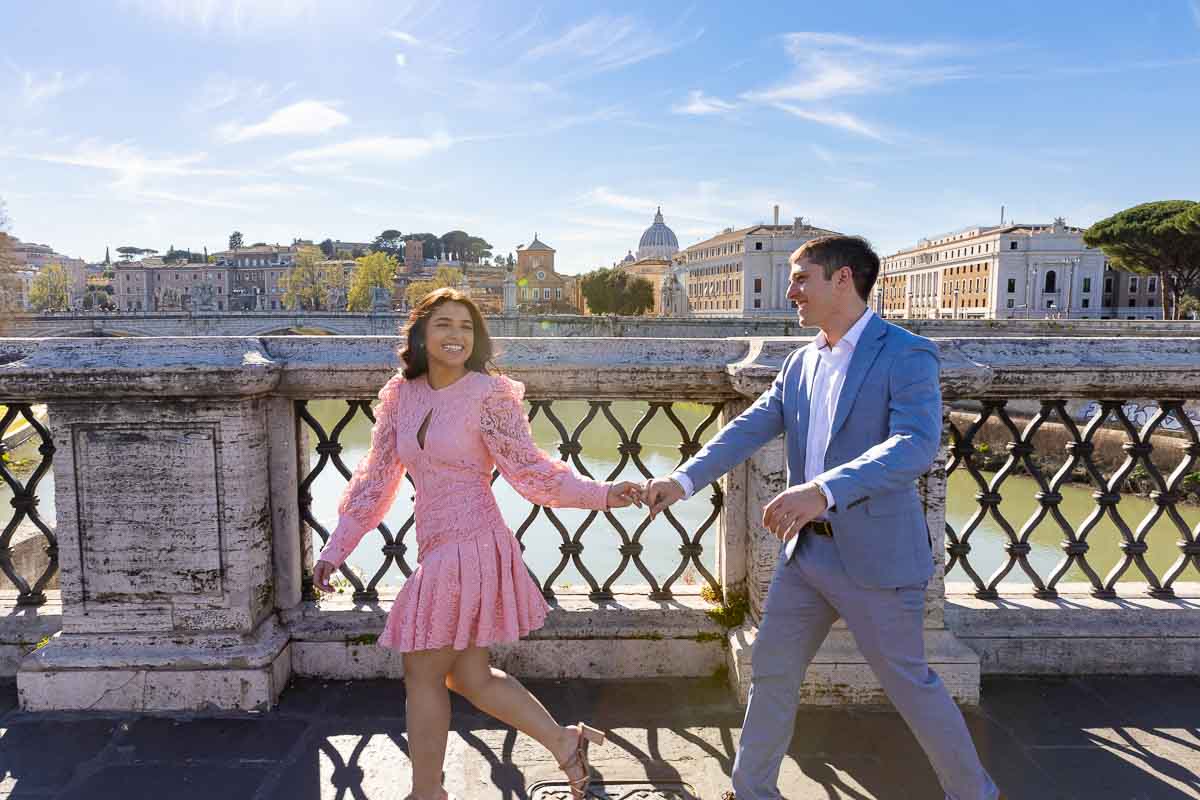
(309, 282)
(467, 247)
(10, 289)
(1161, 238)
(97, 298)
(445, 276)
(1189, 307)
(389, 243)
(51, 289)
(236, 241)
(375, 269)
(615, 291)
(327, 248)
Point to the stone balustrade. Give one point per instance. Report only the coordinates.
(182, 549)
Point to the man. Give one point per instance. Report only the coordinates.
(861, 411)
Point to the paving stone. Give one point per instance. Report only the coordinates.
(127, 782)
(237, 740)
(8, 696)
(43, 754)
(1042, 740)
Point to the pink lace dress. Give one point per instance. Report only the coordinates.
(470, 587)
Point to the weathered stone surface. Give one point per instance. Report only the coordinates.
(839, 675)
(96, 369)
(216, 323)
(1077, 634)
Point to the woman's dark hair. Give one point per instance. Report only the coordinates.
(414, 356)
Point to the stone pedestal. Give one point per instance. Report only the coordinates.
(165, 543)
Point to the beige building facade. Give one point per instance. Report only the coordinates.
(538, 284)
(743, 272)
(1013, 271)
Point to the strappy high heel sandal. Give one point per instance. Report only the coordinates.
(579, 760)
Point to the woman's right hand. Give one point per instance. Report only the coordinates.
(322, 573)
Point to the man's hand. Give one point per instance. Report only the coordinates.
(661, 493)
(623, 494)
(322, 572)
(792, 509)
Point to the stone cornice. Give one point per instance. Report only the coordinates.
(571, 368)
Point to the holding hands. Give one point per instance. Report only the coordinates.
(623, 494)
(660, 493)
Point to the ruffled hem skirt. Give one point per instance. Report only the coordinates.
(474, 593)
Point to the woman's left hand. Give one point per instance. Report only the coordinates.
(624, 493)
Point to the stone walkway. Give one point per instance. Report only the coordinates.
(1102, 739)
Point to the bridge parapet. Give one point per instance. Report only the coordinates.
(183, 538)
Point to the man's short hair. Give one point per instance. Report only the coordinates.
(835, 252)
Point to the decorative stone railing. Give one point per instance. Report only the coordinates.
(182, 465)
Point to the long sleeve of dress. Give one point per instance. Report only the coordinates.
(538, 477)
(374, 484)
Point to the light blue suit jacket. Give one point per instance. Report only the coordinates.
(886, 433)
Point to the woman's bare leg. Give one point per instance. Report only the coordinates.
(428, 716)
(502, 696)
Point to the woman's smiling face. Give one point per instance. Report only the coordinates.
(449, 336)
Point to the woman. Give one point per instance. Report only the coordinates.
(447, 421)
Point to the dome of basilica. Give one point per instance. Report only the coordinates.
(658, 241)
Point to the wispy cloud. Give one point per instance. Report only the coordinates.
(832, 65)
(128, 164)
(37, 89)
(305, 118)
(238, 17)
(605, 43)
(222, 90)
(700, 104)
(429, 46)
(843, 120)
(376, 150)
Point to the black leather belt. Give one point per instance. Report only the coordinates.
(818, 527)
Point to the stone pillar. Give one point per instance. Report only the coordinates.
(163, 480)
(838, 674)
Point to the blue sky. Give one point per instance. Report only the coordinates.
(160, 122)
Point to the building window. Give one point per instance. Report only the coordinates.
(1012, 285)
(1051, 282)
(1132, 302)
(1151, 285)
(757, 303)
(1108, 285)
(1133, 283)
(1049, 304)
(758, 245)
(541, 276)
(1012, 245)
(1087, 284)
(558, 294)
(546, 293)
(757, 286)
(1086, 302)
(1010, 302)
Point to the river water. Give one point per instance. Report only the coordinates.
(661, 542)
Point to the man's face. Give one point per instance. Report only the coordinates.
(811, 292)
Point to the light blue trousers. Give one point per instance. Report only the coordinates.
(806, 596)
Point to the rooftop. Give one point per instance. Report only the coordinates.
(1041, 739)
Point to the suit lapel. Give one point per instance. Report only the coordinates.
(808, 368)
(869, 345)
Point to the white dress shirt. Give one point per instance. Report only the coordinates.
(829, 375)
